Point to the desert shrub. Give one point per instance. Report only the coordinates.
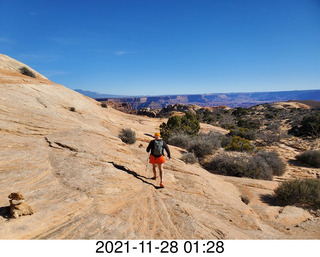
(240, 144)
(189, 158)
(72, 109)
(277, 166)
(259, 168)
(243, 165)
(301, 192)
(103, 105)
(270, 116)
(249, 124)
(311, 157)
(230, 165)
(180, 140)
(200, 145)
(206, 116)
(226, 141)
(239, 111)
(127, 136)
(269, 137)
(274, 126)
(205, 144)
(27, 72)
(244, 133)
(187, 124)
(309, 126)
(226, 120)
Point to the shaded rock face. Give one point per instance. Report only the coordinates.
(124, 107)
(169, 110)
(148, 112)
(83, 182)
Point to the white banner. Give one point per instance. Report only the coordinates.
(87, 248)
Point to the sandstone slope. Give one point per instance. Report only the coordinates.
(84, 183)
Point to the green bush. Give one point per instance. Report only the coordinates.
(243, 165)
(189, 158)
(27, 72)
(240, 144)
(240, 111)
(300, 192)
(187, 124)
(311, 157)
(127, 136)
(103, 105)
(277, 166)
(309, 126)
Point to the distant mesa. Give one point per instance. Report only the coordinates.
(211, 100)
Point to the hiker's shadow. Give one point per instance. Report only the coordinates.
(136, 175)
(5, 212)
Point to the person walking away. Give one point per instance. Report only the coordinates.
(157, 147)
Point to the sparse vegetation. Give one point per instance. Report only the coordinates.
(27, 72)
(311, 158)
(263, 165)
(249, 128)
(72, 109)
(128, 136)
(189, 158)
(300, 192)
(243, 165)
(103, 105)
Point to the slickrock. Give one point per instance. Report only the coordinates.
(62, 151)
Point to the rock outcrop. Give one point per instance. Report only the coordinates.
(61, 149)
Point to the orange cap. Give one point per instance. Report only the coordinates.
(157, 135)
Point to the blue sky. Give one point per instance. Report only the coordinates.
(157, 47)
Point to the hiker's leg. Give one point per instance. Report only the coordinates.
(161, 172)
(154, 170)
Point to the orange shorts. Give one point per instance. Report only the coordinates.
(158, 160)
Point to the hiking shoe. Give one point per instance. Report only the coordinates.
(161, 185)
(154, 178)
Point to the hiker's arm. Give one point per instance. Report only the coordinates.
(149, 146)
(165, 146)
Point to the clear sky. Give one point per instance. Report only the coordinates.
(157, 47)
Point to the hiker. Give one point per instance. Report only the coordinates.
(156, 157)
